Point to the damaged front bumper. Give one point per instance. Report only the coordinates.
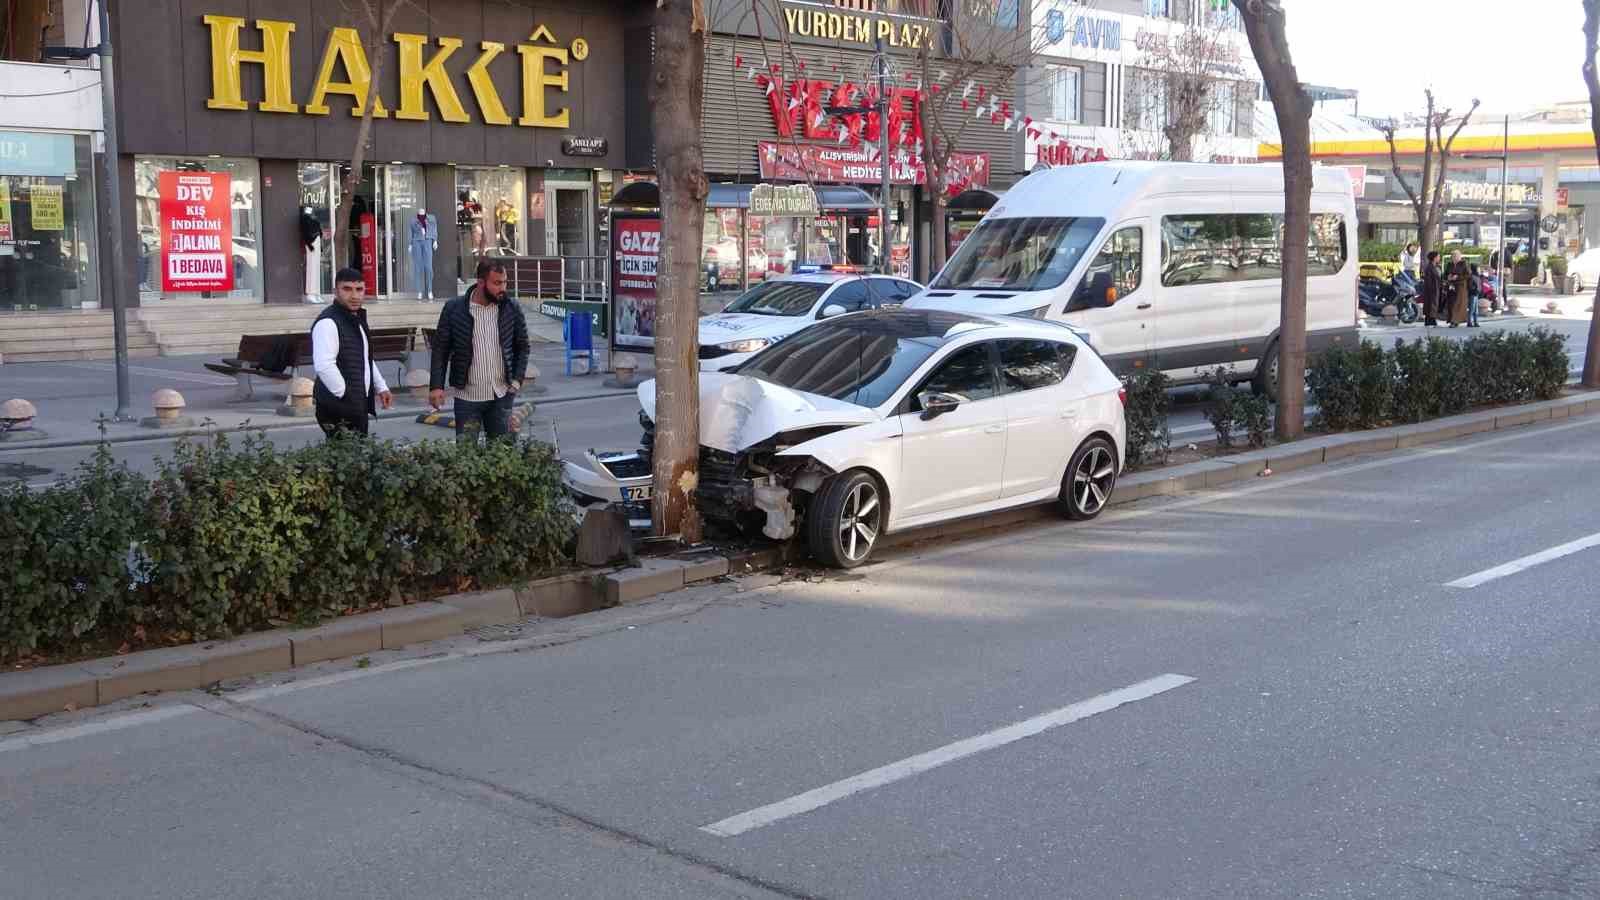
(618, 479)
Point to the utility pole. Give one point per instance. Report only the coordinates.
(1505, 264)
(883, 156)
(113, 180)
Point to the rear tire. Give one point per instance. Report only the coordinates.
(1265, 381)
(846, 519)
(1090, 479)
(1408, 312)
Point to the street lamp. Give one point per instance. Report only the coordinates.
(881, 63)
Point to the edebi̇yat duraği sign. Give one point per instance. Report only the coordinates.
(792, 200)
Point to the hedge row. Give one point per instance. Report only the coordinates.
(228, 539)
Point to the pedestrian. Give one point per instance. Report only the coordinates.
(1410, 260)
(1431, 280)
(480, 351)
(1457, 280)
(1495, 281)
(349, 387)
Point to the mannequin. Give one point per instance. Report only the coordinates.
(424, 240)
(311, 245)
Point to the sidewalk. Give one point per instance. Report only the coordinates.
(71, 396)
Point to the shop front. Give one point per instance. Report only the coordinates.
(492, 127)
(48, 251)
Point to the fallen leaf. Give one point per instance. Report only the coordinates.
(123, 650)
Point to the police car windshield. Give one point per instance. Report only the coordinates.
(779, 298)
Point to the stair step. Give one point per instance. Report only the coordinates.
(76, 355)
(53, 343)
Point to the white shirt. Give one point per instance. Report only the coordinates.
(325, 359)
(1410, 261)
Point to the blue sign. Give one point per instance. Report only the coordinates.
(1055, 25)
(1098, 34)
(37, 153)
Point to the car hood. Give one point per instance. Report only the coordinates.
(737, 411)
(993, 302)
(724, 327)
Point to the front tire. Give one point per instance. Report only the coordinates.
(1408, 312)
(1265, 382)
(1090, 479)
(846, 520)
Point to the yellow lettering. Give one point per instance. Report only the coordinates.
(906, 40)
(534, 82)
(415, 76)
(494, 112)
(789, 16)
(863, 29)
(885, 30)
(344, 48)
(227, 59)
(819, 24)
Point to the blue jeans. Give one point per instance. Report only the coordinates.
(1472, 311)
(493, 417)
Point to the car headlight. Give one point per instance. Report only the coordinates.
(1039, 313)
(746, 346)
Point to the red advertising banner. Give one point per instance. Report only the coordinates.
(196, 231)
(369, 253)
(636, 251)
(861, 164)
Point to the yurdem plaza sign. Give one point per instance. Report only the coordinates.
(346, 71)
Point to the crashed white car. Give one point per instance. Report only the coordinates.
(778, 307)
(894, 419)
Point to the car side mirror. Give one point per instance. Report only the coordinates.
(936, 403)
(831, 310)
(1097, 292)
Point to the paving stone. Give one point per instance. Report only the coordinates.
(702, 568)
(1290, 457)
(651, 577)
(349, 636)
(418, 623)
(479, 608)
(36, 692)
(166, 669)
(562, 596)
(1512, 420)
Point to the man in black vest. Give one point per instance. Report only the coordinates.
(349, 386)
(480, 352)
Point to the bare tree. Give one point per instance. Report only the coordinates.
(1183, 67)
(1427, 201)
(677, 99)
(1265, 26)
(1591, 33)
(376, 17)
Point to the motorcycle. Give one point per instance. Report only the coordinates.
(1375, 294)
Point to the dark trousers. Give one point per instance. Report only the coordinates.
(492, 416)
(336, 420)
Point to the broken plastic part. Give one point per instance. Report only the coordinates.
(773, 500)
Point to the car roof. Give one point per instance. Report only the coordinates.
(943, 326)
(827, 277)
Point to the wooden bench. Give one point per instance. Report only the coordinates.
(386, 345)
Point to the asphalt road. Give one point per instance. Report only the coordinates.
(612, 423)
(1315, 706)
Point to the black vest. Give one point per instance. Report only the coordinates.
(352, 361)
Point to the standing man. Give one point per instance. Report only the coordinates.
(1430, 289)
(480, 351)
(349, 386)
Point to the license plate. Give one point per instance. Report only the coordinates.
(636, 493)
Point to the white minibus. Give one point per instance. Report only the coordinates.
(1173, 266)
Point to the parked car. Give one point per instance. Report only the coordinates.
(1174, 266)
(1584, 270)
(886, 420)
(781, 306)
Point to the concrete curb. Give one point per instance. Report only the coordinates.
(36, 692)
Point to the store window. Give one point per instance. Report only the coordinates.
(319, 198)
(722, 270)
(773, 243)
(490, 208)
(49, 252)
(241, 247)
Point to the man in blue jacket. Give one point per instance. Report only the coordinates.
(480, 352)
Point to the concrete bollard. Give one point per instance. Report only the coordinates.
(625, 365)
(1391, 311)
(169, 406)
(415, 384)
(298, 402)
(17, 415)
(530, 381)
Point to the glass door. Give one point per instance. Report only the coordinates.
(570, 228)
(408, 255)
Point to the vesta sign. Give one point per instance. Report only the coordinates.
(345, 70)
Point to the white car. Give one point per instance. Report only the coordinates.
(1585, 267)
(779, 307)
(888, 420)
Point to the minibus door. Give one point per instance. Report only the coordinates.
(1115, 301)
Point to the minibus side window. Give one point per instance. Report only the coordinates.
(1121, 258)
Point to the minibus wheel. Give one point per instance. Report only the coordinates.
(1265, 382)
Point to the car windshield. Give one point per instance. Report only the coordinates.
(1022, 254)
(860, 362)
(779, 298)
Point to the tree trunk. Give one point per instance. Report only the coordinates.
(938, 230)
(676, 100)
(1591, 35)
(1264, 25)
(378, 16)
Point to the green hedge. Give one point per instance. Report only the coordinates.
(1368, 386)
(1145, 410)
(228, 539)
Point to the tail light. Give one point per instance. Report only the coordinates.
(1122, 396)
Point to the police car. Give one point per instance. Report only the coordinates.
(779, 307)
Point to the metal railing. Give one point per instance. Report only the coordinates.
(580, 278)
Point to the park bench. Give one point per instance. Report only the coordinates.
(293, 351)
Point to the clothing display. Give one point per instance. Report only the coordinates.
(423, 230)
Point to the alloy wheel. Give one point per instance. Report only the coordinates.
(1093, 479)
(860, 521)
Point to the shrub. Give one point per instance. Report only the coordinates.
(232, 538)
(1372, 251)
(1145, 412)
(1556, 263)
(1221, 408)
(1255, 416)
(1352, 388)
(1547, 373)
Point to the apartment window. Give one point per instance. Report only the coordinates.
(1066, 92)
(1145, 108)
(1161, 8)
(1224, 106)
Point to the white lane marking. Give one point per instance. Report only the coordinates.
(1526, 562)
(922, 762)
(88, 729)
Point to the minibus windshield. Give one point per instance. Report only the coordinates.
(1021, 254)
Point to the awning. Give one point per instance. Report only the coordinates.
(829, 197)
(637, 195)
(973, 200)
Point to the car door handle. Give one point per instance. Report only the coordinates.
(1143, 306)
(1070, 413)
(994, 429)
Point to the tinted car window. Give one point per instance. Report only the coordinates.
(844, 360)
(1025, 365)
(905, 290)
(851, 295)
(968, 374)
(778, 298)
